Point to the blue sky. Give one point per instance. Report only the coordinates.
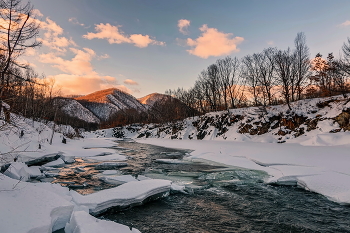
(137, 45)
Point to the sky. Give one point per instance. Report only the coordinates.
(150, 46)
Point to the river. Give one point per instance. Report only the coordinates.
(220, 199)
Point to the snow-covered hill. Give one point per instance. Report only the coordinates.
(107, 102)
(74, 109)
(309, 121)
(153, 98)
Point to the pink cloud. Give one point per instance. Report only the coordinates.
(183, 24)
(115, 36)
(80, 64)
(52, 38)
(213, 43)
(130, 82)
(75, 21)
(344, 24)
(70, 84)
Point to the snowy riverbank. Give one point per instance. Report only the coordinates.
(317, 160)
(42, 207)
(321, 169)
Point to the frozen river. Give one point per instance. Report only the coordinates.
(220, 199)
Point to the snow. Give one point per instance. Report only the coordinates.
(317, 161)
(21, 171)
(321, 169)
(131, 193)
(171, 161)
(28, 207)
(118, 179)
(82, 222)
(57, 163)
(75, 109)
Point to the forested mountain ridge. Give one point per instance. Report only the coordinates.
(111, 107)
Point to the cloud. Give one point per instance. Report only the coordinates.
(213, 43)
(30, 52)
(37, 13)
(115, 36)
(130, 82)
(183, 24)
(76, 22)
(344, 24)
(271, 42)
(70, 84)
(80, 64)
(104, 56)
(52, 38)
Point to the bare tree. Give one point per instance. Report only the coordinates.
(266, 78)
(302, 62)
(19, 29)
(285, 73)
(251, 73)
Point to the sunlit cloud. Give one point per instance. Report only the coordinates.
(52, 38)
(130, 82)
(76, 22)
(80, 64)
(183, 24)
(30, 52)
(213, 43)
(114, 35)
(104, 56)
(271, 42)
(37, 13)
(344, 24)
(70, 84)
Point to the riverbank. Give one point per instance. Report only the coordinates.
(320, 169)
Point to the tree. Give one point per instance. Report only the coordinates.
(285, 73)
(303, 65)
(19, 29)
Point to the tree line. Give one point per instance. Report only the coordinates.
(270, 77)
(22, 90)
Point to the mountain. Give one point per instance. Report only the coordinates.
(106, 102)
(73, 108)
(154, 98)
(115, 107)
(166, 108)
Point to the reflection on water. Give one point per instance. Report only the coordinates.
(81, 176)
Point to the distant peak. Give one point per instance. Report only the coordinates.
(151, 98)
(100, 96)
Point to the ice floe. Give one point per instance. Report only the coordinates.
(131, 193)
(82, 222)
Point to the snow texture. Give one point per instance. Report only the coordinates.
(131, 193)
(82, 222)
(32, 208)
